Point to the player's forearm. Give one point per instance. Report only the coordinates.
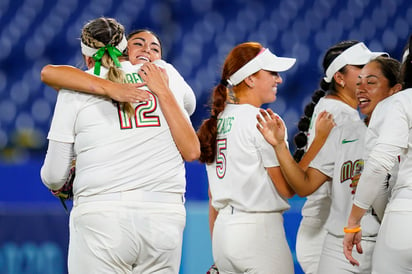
(292, 172)
(372, 183)
(282, 187)
(182, 130)
(285, 190)
(355, 216)
(68, 77)
(56, 164)
(311, 153)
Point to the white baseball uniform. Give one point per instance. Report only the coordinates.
(128, 214)
(248, 235)
(340, 156)
(392, 120)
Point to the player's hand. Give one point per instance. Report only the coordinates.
(130, 93)
(324, 125)
(271, 127)
(155, 78)
(349, 241)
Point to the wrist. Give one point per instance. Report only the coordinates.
(355, 229)
(353, 223)
(280, 145)
(108, 89)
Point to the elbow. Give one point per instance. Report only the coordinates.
(302, 193)
(192, 155)
(289, 195)
(45, 73)
(50, 180)
(47, 76)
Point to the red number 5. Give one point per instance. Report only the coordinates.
(221, 158)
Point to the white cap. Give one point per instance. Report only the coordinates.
(358, 54)
(264, 60)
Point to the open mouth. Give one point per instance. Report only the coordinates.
(363, 101)
(144, 58)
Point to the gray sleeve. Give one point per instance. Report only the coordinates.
(372, 183)
(57, 164)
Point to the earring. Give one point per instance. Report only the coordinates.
(342, 84)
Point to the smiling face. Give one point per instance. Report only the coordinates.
(143, 47)
(266, 85)
(372, 87)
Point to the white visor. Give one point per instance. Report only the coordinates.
(264, 60)
(88, 51)
(358, 54)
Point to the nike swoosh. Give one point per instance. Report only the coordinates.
(344, 141)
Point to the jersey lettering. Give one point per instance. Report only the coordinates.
(143, 116)
(221, 158)
(133, 78)
(224, 125)
(349, 169)
(143, 113)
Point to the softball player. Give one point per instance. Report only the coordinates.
(128, 214)
(246, 185)
(392, 119)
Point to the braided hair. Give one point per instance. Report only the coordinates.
(100, 32)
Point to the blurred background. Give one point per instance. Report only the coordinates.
(196, 37)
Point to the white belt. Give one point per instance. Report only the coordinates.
(133, 195)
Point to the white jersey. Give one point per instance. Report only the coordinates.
(340, 157)
(394, 122)
(238, 177)
(318, 203)
(114, 153)
(373, 132)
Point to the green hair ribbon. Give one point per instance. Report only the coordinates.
(113, 52)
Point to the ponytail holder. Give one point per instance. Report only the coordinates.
(226, 82)
(114, 53)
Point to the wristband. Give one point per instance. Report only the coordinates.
(352, 230)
